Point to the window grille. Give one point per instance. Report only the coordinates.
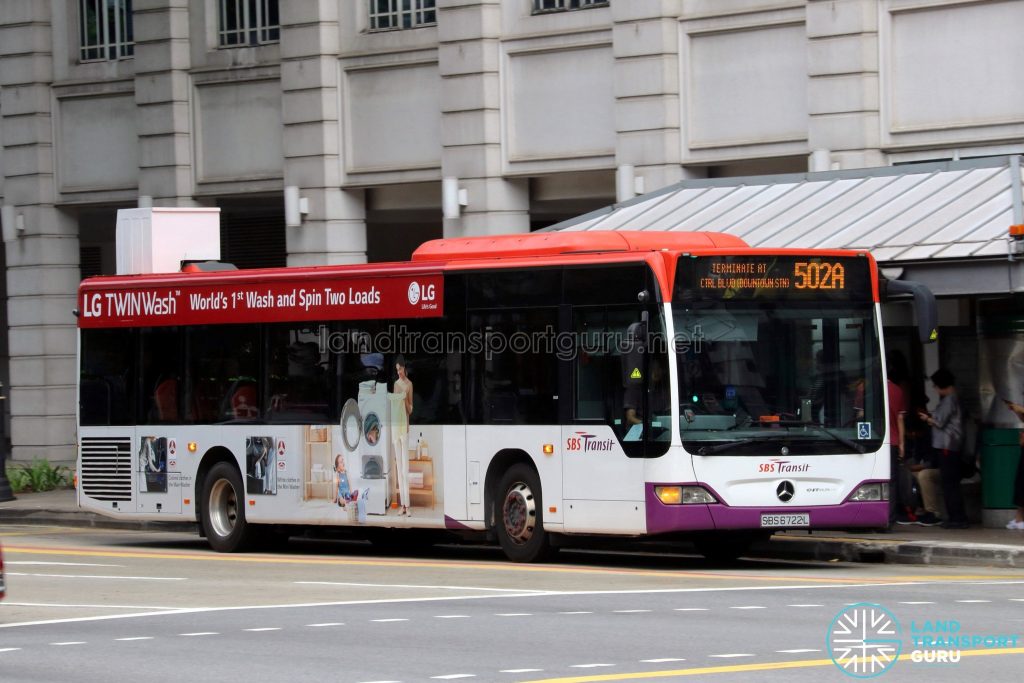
(399, 14)
(540, 6)
(105, 30)
(248, 22)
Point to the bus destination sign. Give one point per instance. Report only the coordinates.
(186, 303)
(804, 277)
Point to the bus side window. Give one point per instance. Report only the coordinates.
(161, 374)
(107, 394)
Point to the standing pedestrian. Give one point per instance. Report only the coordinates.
(1018, 485)
(899, 486)
(946, 424)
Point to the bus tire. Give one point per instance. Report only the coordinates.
(519, 521)
(224, 510)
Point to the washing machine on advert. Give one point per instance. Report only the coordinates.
(374, 466)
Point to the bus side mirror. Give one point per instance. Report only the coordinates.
(925, 308)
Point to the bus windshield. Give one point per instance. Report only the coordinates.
(766, 368)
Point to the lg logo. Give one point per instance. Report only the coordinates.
(419, 293)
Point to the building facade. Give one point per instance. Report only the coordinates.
(399, 122)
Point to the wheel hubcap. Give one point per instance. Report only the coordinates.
(223, 508)
(519, 513)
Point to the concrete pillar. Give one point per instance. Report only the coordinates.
(162, 62)
(334, 230)
(645, 40)
(469, 57)
(42, 260)
(843, 91)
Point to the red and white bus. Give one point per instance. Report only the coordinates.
(532, 387)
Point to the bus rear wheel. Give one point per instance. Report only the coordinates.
(224, 510)
(519, 522)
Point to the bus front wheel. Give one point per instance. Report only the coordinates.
(519, 522)
(224, 510)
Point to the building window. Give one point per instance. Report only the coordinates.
(396, 14)
(105, 29)
(541, 6)
(248, 22)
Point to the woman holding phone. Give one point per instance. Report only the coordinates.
(1018, 484)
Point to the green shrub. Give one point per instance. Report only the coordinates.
(40, 475)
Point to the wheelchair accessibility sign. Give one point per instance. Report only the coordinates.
(863, 430)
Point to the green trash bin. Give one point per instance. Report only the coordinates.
(1000, 452)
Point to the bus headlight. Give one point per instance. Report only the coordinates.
(869, 492)
(683, 495)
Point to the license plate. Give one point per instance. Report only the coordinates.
(786, 520)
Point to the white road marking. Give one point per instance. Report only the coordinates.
(451, 616)
(663, 660)
(135, 638)
(690, 609)
(70, 642)
(629, 611)
(748, 607)
(330, 623)
(805, 605)
(519, 671)
(452, 677)
(916, 602)
(514, 614)
(732, 655)
(524, 594)
(1017, 599)
(11, 563)
(973, 601)
(386, 621)
(199, 633)
(406, 585)
(9, 649)
(99, 576)
(266, 628)
(797, 651)
(575, 613)
(589, 666)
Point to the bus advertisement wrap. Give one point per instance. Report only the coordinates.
(418, 296)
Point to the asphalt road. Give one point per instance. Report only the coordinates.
(97, 605)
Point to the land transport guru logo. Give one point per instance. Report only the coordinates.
(864, 640)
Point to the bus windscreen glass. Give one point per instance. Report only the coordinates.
(778, 354)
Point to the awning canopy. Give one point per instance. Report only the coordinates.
(903, 214)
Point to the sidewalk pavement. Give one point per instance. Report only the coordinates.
(976, 547)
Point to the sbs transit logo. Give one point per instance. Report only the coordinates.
(584, 442)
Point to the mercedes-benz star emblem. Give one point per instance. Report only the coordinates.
(785, 491)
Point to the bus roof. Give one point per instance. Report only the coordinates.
(566, 243)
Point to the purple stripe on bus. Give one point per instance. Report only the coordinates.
(663, 518)
(450, 523)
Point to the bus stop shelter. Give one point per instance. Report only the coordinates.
(949, 225)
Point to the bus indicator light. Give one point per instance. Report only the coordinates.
(669, 495)
(192, 446)
(549, 448)
(252, 503)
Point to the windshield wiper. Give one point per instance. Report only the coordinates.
(728, 445)
(841, 439)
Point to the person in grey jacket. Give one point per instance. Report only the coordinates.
(946, 423)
